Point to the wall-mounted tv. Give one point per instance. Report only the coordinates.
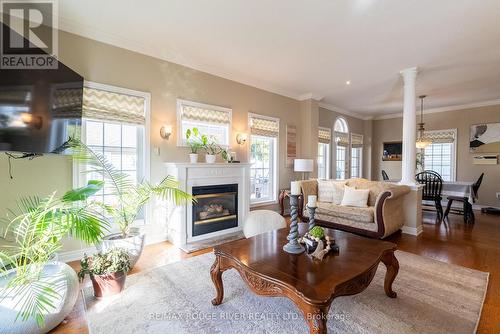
(39, 108)
(393, 151)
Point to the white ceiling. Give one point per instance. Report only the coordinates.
(300, 47)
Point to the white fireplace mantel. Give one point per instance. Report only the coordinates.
(191, 175)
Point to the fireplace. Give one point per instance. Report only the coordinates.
(215, 209)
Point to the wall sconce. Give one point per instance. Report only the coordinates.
(31, 120)
(166, 131)
(241, 138)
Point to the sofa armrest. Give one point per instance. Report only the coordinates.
(389, 214)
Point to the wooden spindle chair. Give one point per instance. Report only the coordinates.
(433, 185)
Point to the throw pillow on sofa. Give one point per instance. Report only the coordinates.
(330, 191)
(355, 197)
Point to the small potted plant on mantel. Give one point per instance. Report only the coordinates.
(107, 271)
(211, 148)
(194, 142)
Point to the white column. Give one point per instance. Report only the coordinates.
(409, 127)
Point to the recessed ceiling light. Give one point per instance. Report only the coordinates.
(348, 82)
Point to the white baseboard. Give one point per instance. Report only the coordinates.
(77, 254)
(479, 207)
(416, 231)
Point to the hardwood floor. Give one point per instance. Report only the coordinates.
(475, 246)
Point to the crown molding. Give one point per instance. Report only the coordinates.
(310, 96)
(444, 109)
(342, 111)
(150, 51)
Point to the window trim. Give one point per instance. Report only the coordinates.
(146, 144)
(454, 154)
(276, 174)
(180, 136)
(327, 160)
(348, 148)
(360, 161)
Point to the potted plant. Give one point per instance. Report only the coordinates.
(211, 148)
(36, 291)
(131, 198)
(193, 140)
(107, 271)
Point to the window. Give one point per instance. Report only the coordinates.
(263, 157)
(440, 155)
(341, 148)
(324, 139)
(356, 155)
(211, 120)
(114, 125)
(341, 162)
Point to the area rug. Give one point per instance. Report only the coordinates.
(433, 297)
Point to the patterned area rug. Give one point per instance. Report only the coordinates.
(433, 297)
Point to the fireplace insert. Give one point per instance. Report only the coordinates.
(215, 209)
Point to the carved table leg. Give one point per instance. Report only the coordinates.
(216, 274)
(392, 265)
(316, 318)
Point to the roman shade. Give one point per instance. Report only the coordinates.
(342, 138)
(67, 102)
(104, 105)
(197, 112)
(356, 140)
(324, 135)
(264, 126)
(441, 136)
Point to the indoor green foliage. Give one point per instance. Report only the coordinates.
(131, 196)
(113, 261)
(194, 140)
(317, 232)
(209, 144)
(37, 226)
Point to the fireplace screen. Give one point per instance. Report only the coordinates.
(216, 208)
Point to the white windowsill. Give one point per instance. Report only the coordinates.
(264, 203)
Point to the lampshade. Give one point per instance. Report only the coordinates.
(303, 165)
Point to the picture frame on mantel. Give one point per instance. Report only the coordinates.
(291, 144)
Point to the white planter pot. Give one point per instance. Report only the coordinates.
(193, 158)
(134, 244)
(63, 280)
(210, 158)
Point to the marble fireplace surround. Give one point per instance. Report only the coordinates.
(179, 226)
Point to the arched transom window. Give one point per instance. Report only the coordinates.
(341, 130)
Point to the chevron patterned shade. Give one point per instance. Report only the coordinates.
(342, 138)
(440, 136)
(201, 114)
(356, 140)
(67, 103)
(263, 126)
(104, 105)
(324, 135)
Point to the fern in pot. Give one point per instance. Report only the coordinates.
(36, 291)
(131, 198)
(107, 271)
(194, 142)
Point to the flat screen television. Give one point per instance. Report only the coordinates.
(39, 108)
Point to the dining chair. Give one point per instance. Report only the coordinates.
(385, 176)
(433, 185)
(262, 221)
(468, 212)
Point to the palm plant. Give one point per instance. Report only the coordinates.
(38, 227)
(131, 196)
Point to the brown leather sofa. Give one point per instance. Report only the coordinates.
(382, 217)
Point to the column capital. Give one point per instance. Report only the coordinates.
(409, 73)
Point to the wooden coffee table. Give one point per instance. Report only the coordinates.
(311, 284)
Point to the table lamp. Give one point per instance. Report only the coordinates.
(303, 165)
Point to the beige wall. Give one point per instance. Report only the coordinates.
(166, 82)
(391, 130)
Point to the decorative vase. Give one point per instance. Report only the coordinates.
(108, 285)
(133, 243)
(193, 158)
(61, 277)
(210, 158)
